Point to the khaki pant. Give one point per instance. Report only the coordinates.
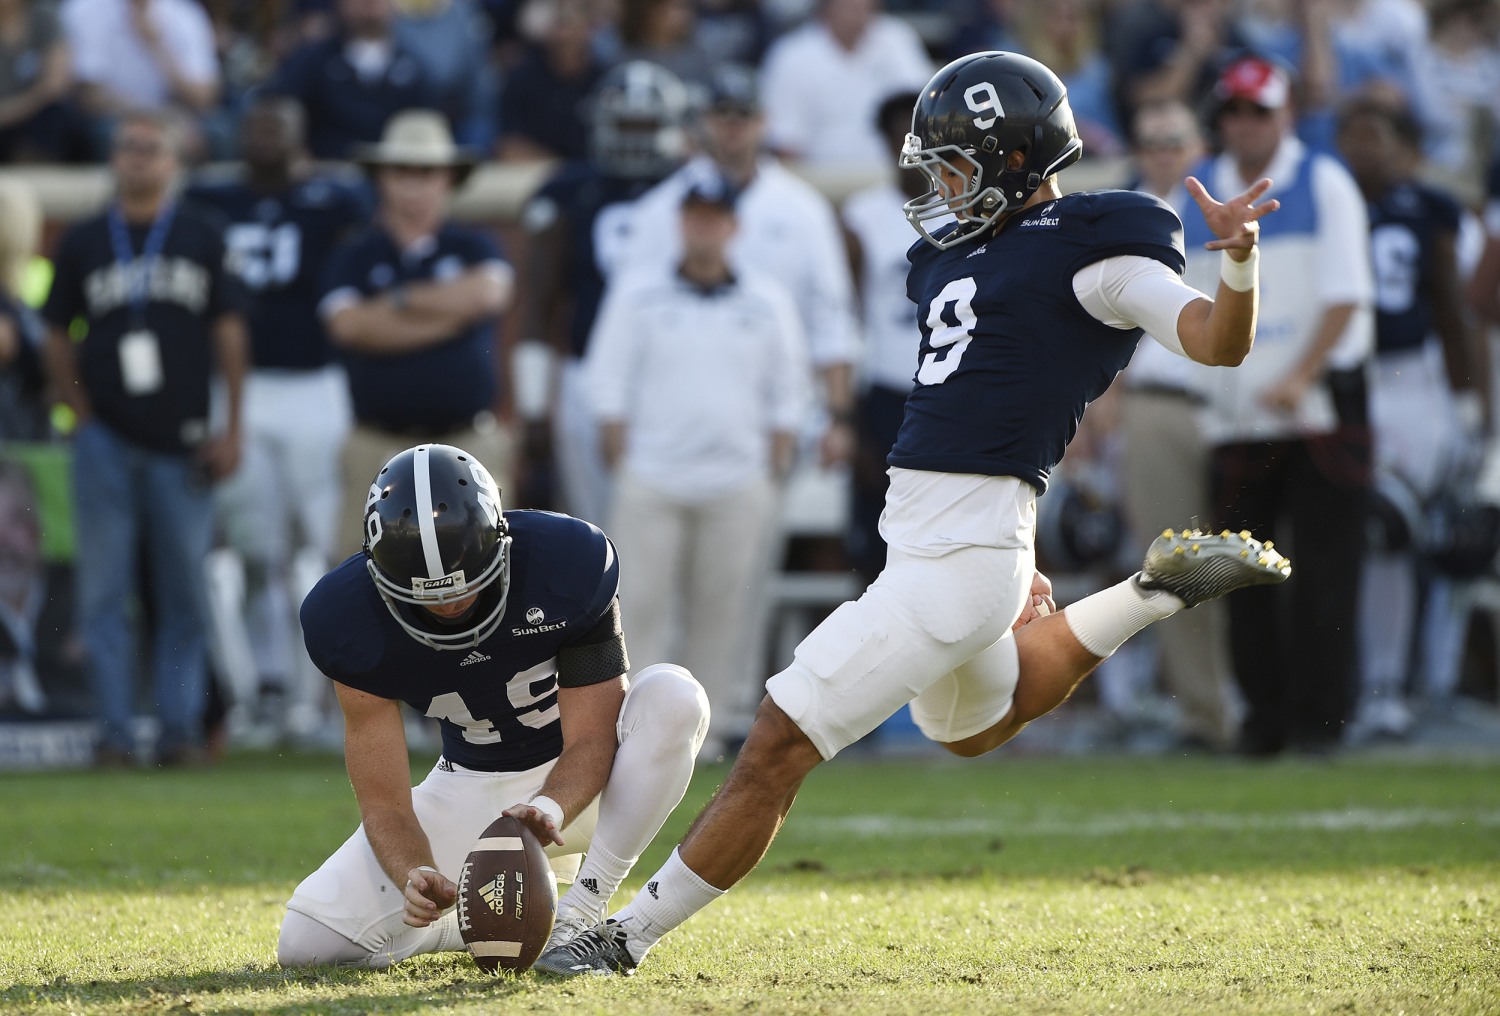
(691, 579)
(1166, 486)
(368, 448)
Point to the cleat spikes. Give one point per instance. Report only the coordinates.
(1212, 569)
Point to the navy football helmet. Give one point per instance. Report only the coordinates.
(971, 118)
(638, 116)
(434, 535)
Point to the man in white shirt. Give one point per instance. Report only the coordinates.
(147, 53)
(787, 232)
(825, 80)
(699, 378)
(1291, 425)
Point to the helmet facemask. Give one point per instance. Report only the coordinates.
(491, 586)
(976, 207)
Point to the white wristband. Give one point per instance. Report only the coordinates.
(531, 377)
(549, 807)
(1240, 275)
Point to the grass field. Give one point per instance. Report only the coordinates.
(1017, 885)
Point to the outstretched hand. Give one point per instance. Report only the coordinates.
(1235, 222)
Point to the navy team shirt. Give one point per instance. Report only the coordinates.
(495, 702)
(189, 287)
(1405, 223)
(597, 208)
(344, 108)
(1009, 359)
(278, 244)
(434, 389)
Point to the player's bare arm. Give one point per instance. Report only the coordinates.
(1219, 332)
(589, 715)
(375, 755)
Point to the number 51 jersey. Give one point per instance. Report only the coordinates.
(496, 702)
(1009, 359)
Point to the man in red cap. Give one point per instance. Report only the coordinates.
(1289, 426)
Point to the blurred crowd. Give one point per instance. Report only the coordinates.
(236, 417)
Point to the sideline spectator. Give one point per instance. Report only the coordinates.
(1414, 232)
(1171, 49)
(283, 502)
(147, 54)
(1458, 86)
(660, 32)
(699, 378)
(23, 411)
(23, 594)
(413, 303)
(787, 232)
(41, 661)
(578, 226)
(878, 237)
(1064, 35)
(352, 83)
(980, 25)
(1290, 426)
(1484, 284)
(148, 278)
(1165, 463)
(542, 112)
(451, 39)
(36, 76)
(823, 82)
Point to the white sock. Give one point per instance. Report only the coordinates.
(673, 894)
(1102, 622)
(598, 878)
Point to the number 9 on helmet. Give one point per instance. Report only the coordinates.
(998, 121)
(437, 545)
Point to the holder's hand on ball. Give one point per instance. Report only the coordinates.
(427, 894)
(543, 825)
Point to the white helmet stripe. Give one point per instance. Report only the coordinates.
(422, 481)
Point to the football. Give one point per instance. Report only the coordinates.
(507, 897)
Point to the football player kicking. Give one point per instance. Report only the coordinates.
(504, 627)
(1029, 303)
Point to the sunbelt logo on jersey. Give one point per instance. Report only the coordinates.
(537, 618)
(453, 582)
(1042, 219)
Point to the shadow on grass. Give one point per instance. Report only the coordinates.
(263, 989)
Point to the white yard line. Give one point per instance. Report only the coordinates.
(1116, 823)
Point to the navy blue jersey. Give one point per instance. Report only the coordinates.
(1009, 359)
(186, 288)
(1406, 222)
(497, 702)
(278, 244)
(595, 210)
(437, 388)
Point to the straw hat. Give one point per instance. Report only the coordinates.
(418, 137)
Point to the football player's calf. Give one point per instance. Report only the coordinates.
(662, 725)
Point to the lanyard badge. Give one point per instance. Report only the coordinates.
(139, 351)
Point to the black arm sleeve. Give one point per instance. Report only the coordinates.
(598, 655)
